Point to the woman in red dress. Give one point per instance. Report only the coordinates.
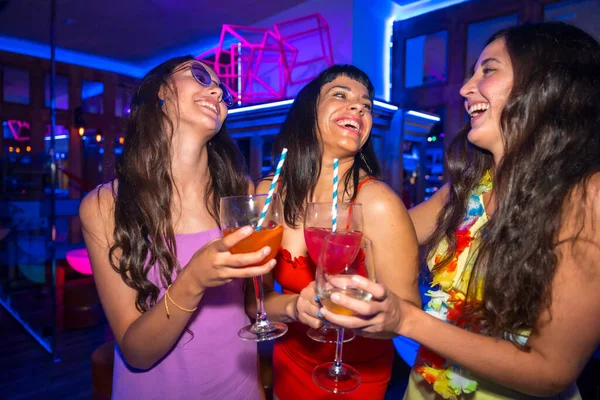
(331, 118)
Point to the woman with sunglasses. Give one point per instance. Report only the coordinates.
(172, 292)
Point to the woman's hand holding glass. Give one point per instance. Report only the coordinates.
(381, 317)
(264, 213)
(305, 307)
(214, 265)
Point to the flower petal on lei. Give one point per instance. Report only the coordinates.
(459, 383)
(442, 387)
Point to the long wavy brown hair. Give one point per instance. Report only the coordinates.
(551, 131)
(144, 236)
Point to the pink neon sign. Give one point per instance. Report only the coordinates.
(15, 127)
(259, 64)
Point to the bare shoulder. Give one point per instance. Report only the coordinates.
(99, 200)
(264, 184)
(380, 197)
(582, 206)
(592, 189)
(96, 210)
(251, 187)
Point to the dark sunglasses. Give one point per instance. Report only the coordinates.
(202, 76)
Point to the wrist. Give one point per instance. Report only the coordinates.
(291, 308)
(409, 313)
(189, 285)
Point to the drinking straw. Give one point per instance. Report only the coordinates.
(334, 207)
(263, 214)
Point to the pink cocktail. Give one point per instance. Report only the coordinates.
(317, 226)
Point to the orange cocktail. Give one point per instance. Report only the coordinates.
(265, 237)
(350, 292)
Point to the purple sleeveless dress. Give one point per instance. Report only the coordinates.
(213, 363)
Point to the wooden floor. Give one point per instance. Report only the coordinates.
(27, 371)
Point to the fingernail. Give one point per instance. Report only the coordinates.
(356, 278)
(266, 251)
(247, 230)
(335, 297)
(319, 314)
(317, 298)
(273, 262)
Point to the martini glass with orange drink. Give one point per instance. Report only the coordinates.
(338, 262)
(237, 212)
(317, 226)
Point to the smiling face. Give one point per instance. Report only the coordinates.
(485, 95)
(201, 108)
(344, 117)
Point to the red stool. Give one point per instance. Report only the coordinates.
(81, 303)
(102, 371)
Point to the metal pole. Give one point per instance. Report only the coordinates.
(53, 173)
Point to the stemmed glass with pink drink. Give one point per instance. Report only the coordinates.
(317, 226)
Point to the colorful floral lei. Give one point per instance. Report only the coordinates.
(448, 300)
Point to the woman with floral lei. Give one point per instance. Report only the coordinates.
(512, 241)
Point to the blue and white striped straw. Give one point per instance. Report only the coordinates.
(334, 207)
(263, 214)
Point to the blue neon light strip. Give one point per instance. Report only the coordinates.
(282, 103)
(57, 137)
(136, 70)
(40, 50)
(387, 106)
(37, 337)
(423, 115)
(261, 106)
(424, 7)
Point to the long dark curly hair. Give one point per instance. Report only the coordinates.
(144, 235)
(300, 135)
(551, 132)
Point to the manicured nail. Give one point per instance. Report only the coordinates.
(319, 314)
(335, 297)
(247, 230)
(317, 298)
(356, 278)
(266, 251)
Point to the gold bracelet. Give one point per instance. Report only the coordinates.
(168, 297)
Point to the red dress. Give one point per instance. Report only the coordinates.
(295, 355)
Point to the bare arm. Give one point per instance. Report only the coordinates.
(388, 225)
(562, 344)
(424, 216)
(145, 338)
